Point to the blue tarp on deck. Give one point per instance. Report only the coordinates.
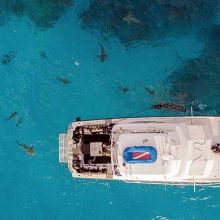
(140, 154)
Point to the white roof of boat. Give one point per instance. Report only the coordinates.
(183, 149)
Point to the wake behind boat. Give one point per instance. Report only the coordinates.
(171, 150)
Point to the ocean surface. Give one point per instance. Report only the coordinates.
(50, 73)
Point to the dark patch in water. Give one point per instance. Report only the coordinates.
(102, 55)
(7, 58)
(19, 121)
(169, 106)
(197, 83)
(149, 92)
(43, 13)
(63, 81)
(43, 54)
(12, 115)
(16, 7)
(213, 42)
(131, 21)
(123, 88)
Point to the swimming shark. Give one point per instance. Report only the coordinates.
(130, 19)
(12, 116)
(102, 56)
(63, 81)
(29, 149)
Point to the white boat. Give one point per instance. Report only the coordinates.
(163, 150)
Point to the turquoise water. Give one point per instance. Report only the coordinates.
(178, 58)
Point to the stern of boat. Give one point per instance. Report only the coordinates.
(63, 148)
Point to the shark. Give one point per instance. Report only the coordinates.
(63, 81)
(12, 116)
(130, 19)
(102, 56)
(28, 149)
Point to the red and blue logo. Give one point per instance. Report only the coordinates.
(140, 155)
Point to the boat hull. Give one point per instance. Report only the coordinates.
(186, 150)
